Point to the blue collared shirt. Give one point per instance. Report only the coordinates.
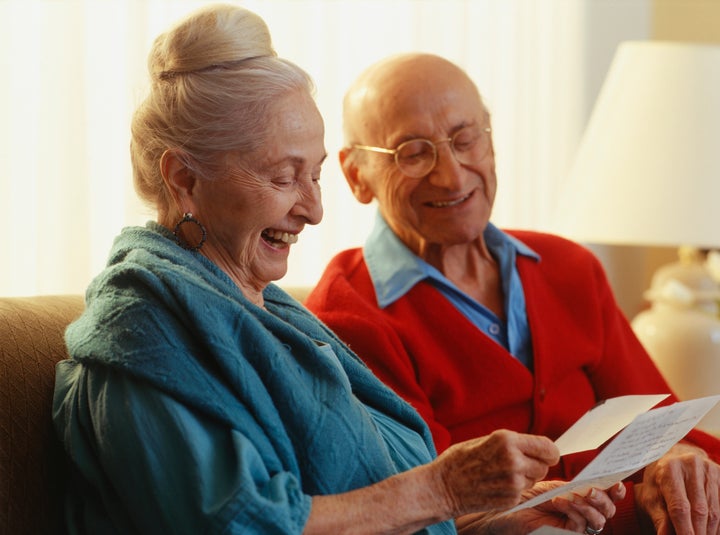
(394, 270)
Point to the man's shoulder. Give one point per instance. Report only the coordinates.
(546, 244)
(560, 258)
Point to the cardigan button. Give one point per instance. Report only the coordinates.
(542, 393)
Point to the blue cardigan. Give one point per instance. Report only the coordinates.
(185, 408)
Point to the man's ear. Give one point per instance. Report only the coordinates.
(359, 188)
(178, 177)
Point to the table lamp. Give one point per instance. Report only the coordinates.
(647, 172)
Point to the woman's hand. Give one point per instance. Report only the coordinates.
(492, 472)
(576, 513)
(573, 513)
(486, 473)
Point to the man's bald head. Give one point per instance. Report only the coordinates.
(390, 85)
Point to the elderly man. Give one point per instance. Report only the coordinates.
(480, 328)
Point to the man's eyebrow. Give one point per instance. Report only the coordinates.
(450, 132)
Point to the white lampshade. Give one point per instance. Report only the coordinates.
(647, 171)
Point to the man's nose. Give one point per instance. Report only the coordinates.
(448, 172)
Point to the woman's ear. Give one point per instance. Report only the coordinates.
(178, 177)
(350, 169)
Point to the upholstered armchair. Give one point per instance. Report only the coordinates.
(31, 475)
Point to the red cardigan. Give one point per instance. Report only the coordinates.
(465, 385)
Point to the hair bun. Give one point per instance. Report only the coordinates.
(208, 38)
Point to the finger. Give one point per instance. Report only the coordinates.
(602, 502)
(713, 498)
(579, 513)
(673, 490)
(535, 471)
(617, 492)
(696, 492)
(594, 517)
(575, 521)
(657, 514)
(538, 447)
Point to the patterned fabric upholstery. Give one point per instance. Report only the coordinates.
(31, 479)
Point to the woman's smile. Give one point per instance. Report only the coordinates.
(279, 238)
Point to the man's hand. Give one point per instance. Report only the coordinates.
(680, 493)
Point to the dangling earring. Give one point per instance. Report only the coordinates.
(188, 218)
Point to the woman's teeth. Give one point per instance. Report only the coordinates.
(279, 235)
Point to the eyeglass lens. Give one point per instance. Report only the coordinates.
(417, 157)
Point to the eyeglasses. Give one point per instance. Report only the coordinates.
(417, 157)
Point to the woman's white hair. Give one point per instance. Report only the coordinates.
(214, 76)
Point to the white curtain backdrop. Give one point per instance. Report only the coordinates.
(74, 70)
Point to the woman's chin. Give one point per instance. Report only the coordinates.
(274, 273)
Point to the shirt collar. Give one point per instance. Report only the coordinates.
(394, 269)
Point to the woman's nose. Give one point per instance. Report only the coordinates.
(309, 203)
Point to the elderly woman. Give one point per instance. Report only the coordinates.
(201, 398)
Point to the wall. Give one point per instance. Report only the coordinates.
(686, 20)
(64, 168)
(630, 269)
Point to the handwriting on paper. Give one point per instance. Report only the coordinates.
(647, 438)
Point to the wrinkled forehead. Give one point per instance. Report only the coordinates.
(421, 98)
